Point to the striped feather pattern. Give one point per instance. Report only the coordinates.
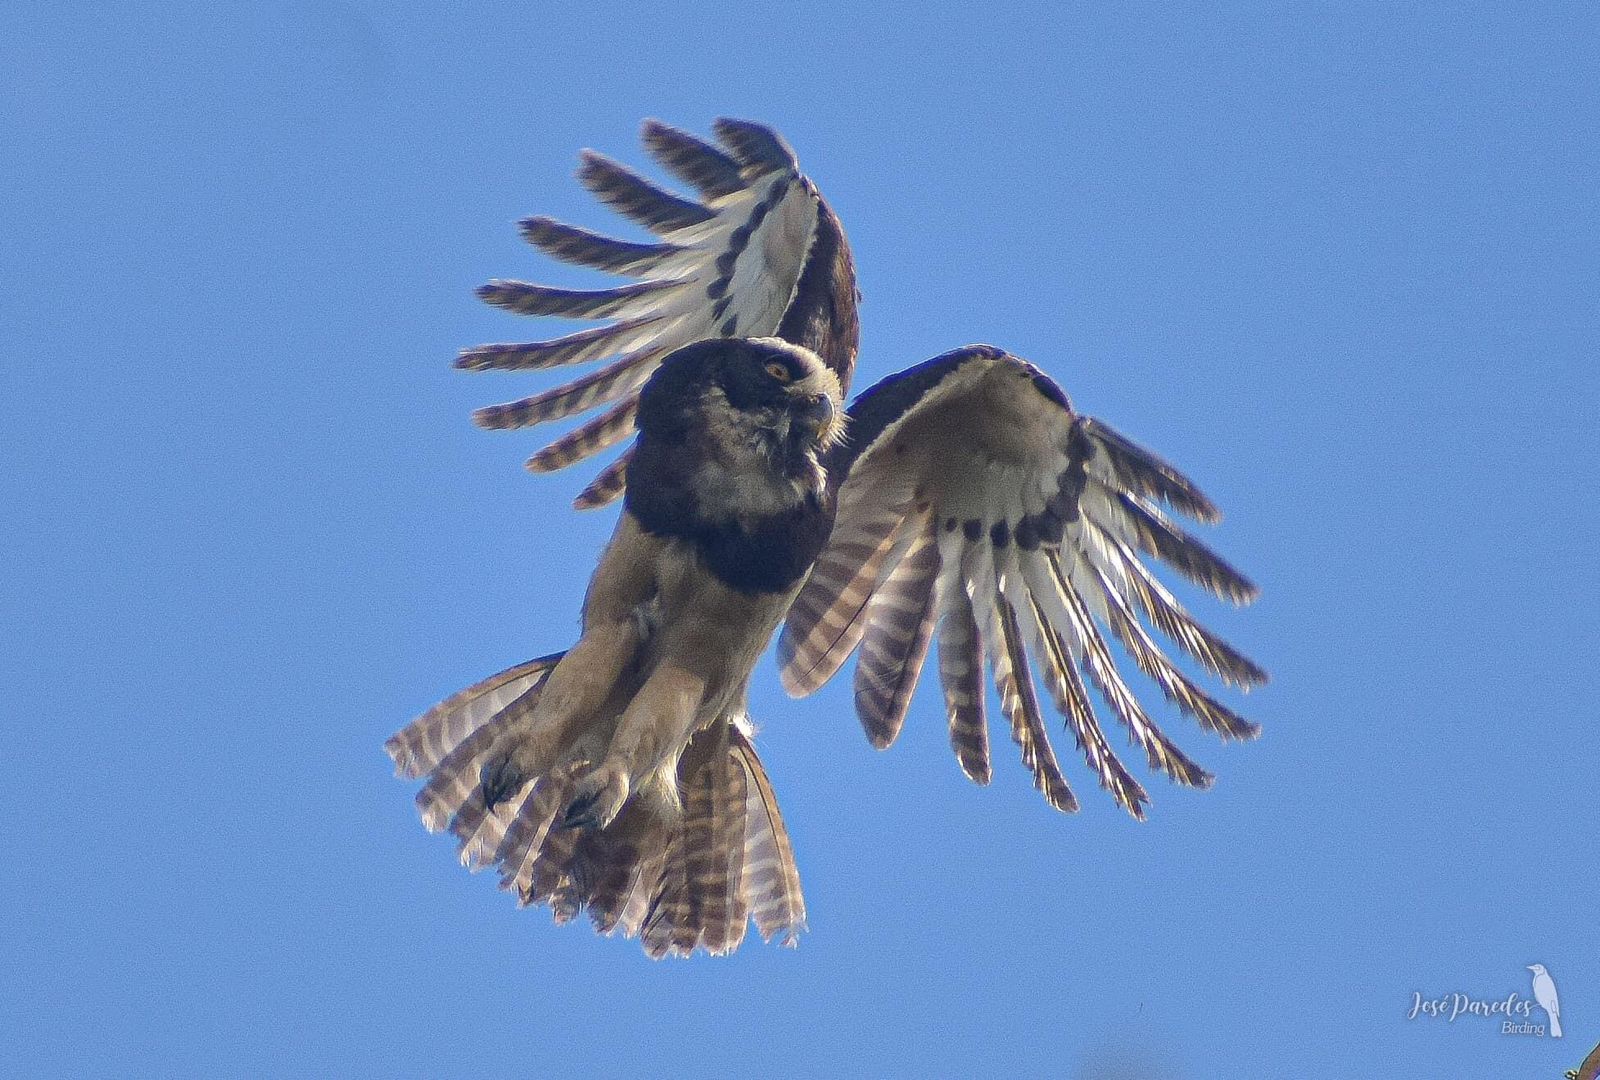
(666, 922)
(422, 744)
(697, 909)
(1091, 650)
(588, 439)
(622, 378)
(523, 298)
(1133, 520)
(682, 884)
(578, 348)
(826, 620)
(1071, 700)
(1211, 713)
(1015, 685)
(898, 626)
(961, 670)
(1123, 463)
(718, 902)
(1041, 519)
(606, 487)
(760, 150)
(1170, 617)
(606, 861)
(452, 780)
(730, 265)
(634, 197)
(523, 843)
(694, 161)
(570, 244)
(768, 877)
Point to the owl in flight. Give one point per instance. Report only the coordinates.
(961, 501)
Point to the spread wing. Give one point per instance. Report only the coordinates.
(756, 253)
(976, 508)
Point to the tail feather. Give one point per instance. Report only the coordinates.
(524, 840)
(681, 884)
(769, 879)
(453, 780)
(421, 745)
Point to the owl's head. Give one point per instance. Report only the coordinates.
(748, 406)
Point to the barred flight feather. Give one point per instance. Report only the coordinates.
(1170, 617)
(760, 150)
(1071, 700)
(665, 924)
(570, 244)
(604, 864)
(1190, 699)
(732, 810)
(898, 626)
(523, 843)
(1014, 682)
(606, 487)
(696, 162)
(622, 378)
(575, 348)
(451, 780)
(1161, 752)
(588, 439)
(961, 668)
(682, 884)
(1143, 473)
(623, 301)
(636, 198)
(1130, 519)
(825, 621)
(480, 831)
(700, 859)
(550, 880)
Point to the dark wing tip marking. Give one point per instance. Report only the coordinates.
(758, 148)
(1149, 474)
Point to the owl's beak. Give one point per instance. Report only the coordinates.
(817, 415)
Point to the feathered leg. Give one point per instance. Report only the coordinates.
(589, 673)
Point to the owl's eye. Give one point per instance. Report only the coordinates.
(778, 371)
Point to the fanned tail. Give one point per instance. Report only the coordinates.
(682, 884)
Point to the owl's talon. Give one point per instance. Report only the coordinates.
(598, 799)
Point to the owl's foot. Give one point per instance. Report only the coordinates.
(514, 761)
(598, 798)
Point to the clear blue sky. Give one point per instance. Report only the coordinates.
(1338, 261)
